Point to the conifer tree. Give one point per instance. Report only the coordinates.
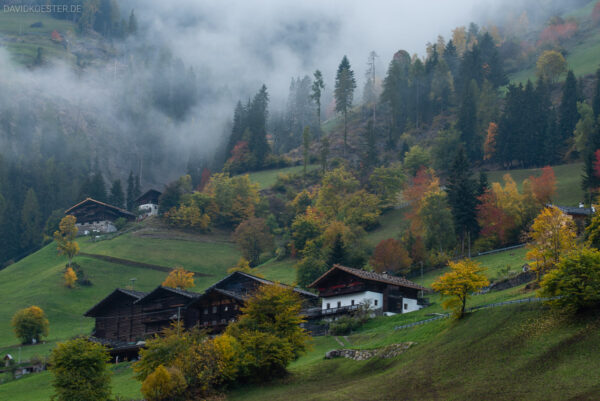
(116, 197)
(317, 88)
(306, 147)
(97, 188)
(596, 98)
(568, 115)
(324, 153)
(344, 93)
(31, 220)
(337, 255)
(132, 26)
(257, 125)
(130, 191)
(462, 197)
(467, 122)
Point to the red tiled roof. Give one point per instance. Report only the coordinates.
(371, 276)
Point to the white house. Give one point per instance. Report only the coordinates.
(147, 203)
(343, 289)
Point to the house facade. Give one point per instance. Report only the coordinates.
(125, 318)
(147, 203)
(95, 216)
(343, 289)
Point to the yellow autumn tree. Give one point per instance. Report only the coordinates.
(464, 278)
(70, 277)
(243, 266)
(65, 238)
(179, 278)
(163, 384)
(489, 147)
(552, 234)
(509, 199)
(30, 324)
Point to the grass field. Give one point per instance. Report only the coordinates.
(267, 178)
(22, 40)
(568, 181)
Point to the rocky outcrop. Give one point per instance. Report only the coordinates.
(390, 351)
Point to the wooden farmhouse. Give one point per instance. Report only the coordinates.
(125, 318)
(580, 214)
(147, 203)
(343, 289)
(220, 304)
(95, 216)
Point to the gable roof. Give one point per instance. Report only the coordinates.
(135, 295)
(184, 293)
(106, 205)
(262, 281)
(149, 193)
(578, 211)
(371, 276)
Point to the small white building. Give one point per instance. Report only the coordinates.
(343, 289)
(147, 203)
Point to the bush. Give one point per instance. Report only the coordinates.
(30, 324)
(164, 384)
(80, 371)
(120, 223)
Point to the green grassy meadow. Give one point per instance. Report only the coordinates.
(266, 178)
(22, 40)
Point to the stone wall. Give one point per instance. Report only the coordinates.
(104, 226)
(390, 351)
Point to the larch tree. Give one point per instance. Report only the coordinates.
(344, 93)
(552, 234)
(65, 238)
(70, 277)
(464, 278)
(179, 278)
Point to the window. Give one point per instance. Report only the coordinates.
(339, 304)
(375, 302)
(223, 321)
(214, 309)
(328, 305)
(405, 306)
(206, 311)
(352, 302)
(226, 308)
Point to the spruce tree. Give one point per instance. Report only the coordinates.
(337, 255)
(467, 122)
(344, 93)
(31, 221)
(306, 148)
(132, 26)
(462, 197)
(130, 191)
(97, 188)
(317, 88)
(596, 98)
(116, 197)
(567, 114)
(257, 125)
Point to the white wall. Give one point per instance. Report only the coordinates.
(150, 209)
(358, 297)
(104, 226)
(412, 305)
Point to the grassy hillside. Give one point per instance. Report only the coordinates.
(22, 40)
(510, 353)
(266, 178)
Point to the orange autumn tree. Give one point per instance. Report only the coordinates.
(423, 182)
(390, 255)
(179, 278)
(464, 278)
(552, 234)
(544, 186)
(70, 277)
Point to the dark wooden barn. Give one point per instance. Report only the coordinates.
(118, 316)
(151, 196)
(93, 215)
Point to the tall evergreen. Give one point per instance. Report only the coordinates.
(137, 190)
(337, 255)
(130, 191)
(467, 122)
(238, 127)
(116, 196)
(317, 88)
(257, 126)
(567, 113)
(462, 197)
(451, 58)
(596, 98)
(132, 25)
(344, 93)
(98, 188)
(31, 221)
